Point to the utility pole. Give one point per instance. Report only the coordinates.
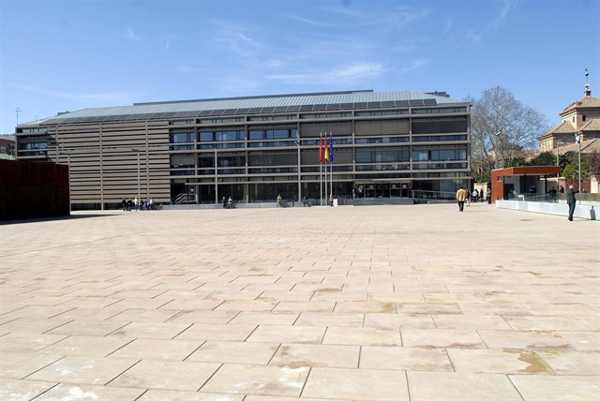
(138, 184)
(578, 138)
(17, 111)
(139, 193)
(498, 145)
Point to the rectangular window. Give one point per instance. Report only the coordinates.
(207, 136)
(278, 134)
(440, 110)
(370, 155)
(420, 155)
(256, 135)
(33, 146)
(231, 160)
(182, 122)
(229, 136)
(182, 161)
(182, 136)
(206, 160)
(272, 158)
(440, 125)
(440, 154)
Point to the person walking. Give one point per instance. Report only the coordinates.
(461, 196)
(475, 195)
(571, 201)
(229, 203)
(279, 200)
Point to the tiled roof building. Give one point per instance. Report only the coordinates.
(581, 116)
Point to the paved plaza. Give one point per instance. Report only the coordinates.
(399, 303)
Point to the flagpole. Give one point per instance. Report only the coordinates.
(325, 158)
(321, 168)
(320, 183)
(326, 186)
(331, 162)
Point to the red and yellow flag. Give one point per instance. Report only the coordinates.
(321, 150)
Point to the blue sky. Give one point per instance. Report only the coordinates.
(66, 55)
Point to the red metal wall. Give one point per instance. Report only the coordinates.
(498, 183)
(31, 190)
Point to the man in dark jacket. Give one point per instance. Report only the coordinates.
(571, 201)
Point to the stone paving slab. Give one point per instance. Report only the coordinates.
(19, 390)
(368, 303)
(433, 386)
(70, 392)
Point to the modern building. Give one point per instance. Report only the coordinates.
(386, 144)
(7, 147)
(580, 117)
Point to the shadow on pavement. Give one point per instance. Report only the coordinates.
(58, 218)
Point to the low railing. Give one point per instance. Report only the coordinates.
(557, 197)
(432, 195)
(184, 197)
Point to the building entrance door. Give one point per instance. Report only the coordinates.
(382, 190)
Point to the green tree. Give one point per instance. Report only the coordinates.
(595, 164)
(515, 162)
(570, 171)
(571, 168)
(544, 159)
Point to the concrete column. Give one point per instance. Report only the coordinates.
(147, 163)
(101, 170)
(299, 174)
(216, 181)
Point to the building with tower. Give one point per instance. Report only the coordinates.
(580, 117)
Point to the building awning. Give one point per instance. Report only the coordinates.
(526, 170)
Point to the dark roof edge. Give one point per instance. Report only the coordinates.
(257, 97)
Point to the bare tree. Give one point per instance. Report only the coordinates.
(502, 127)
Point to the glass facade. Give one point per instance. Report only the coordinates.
(257, 163)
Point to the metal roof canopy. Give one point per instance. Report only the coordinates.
(304, 102)
(526, 170)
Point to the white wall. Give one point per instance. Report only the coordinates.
(584, 211)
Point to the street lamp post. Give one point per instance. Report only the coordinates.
(297, 141)
(498, 145)
(138, 174)
(578, 138)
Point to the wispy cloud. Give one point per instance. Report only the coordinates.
(476, 36)
(168, 39)
(310, 21)
(132, 35)
(348, 17)
(448, 25)
(505, 8)
(358, 71)
(187, 68)
(108, 97)
(236, 39)
(413, 65)
(397, 17)
(343, 74)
